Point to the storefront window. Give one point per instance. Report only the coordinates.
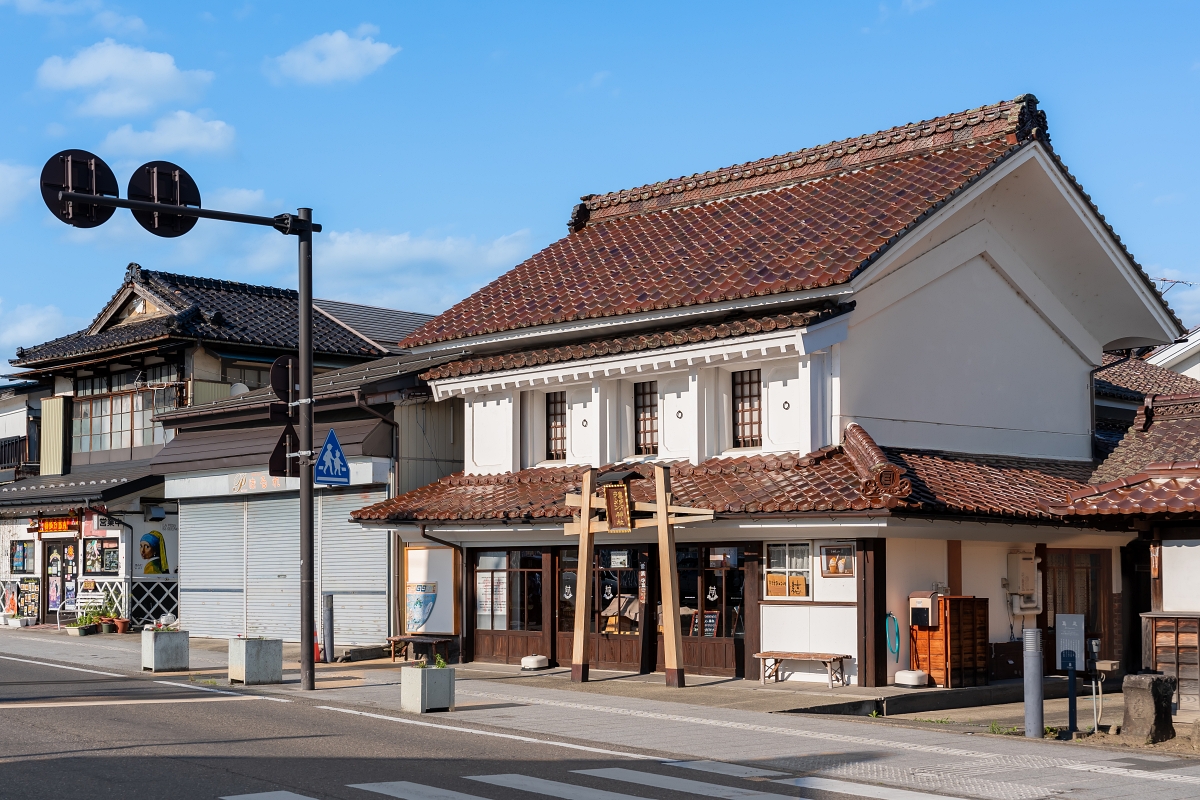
(508, 590)
(711, 590)
(619, 589)
(20, 558)
(101, 556)
(789, 570)
(568, 563)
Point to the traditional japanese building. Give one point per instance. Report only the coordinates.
(872, 359)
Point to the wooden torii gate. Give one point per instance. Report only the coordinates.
(610, 493)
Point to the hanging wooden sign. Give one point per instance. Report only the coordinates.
(616, 504)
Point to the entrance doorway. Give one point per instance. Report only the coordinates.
(620, 586)
(712, 606)
(512, 609)
(58, 576)
(1080, 582)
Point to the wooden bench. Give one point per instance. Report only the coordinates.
(772, 660)
(404, 641)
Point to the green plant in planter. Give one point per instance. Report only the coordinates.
(438, 661)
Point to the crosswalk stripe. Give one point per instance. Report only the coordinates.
(860, 789)
(413, 791)
(732, 770)
(680, 784)
(277, 795)
(566, 791)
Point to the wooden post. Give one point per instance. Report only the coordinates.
(669, 580)
(583, 584)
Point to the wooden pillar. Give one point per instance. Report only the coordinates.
(668, 571)
(872, 607)
(954, 567)
(753, 582)
(1156, 582)
(580, 657)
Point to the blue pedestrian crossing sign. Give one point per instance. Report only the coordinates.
(331, 467)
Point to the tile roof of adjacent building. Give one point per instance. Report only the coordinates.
(383, 326)
(745, 325)
(1134, 378)
(1166, 429)
(855, 477)
(804, 220)
(1162, 489)
(208, 310)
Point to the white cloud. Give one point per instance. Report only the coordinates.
(333, 57)
(242, 201)
(121, 80)
(51, 8)
(179, 131)
(16, 181)
(112, 22)
(27, 325)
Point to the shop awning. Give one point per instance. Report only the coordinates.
(87, 485)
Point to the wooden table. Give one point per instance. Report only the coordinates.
(404, 641)
(773, 659)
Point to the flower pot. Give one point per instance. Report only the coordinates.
(122, 625)
(81, 630)
(255, 660)
(108, 627)
(165, 651)
(428, 689)
(16, 622)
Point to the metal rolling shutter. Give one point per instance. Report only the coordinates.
(353, 564)
(211, 567)
(273, 567)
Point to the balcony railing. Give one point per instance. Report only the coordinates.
(15, 460)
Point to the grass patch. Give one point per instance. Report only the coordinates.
(942, 721)
(1000, 730)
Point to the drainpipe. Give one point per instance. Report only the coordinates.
(462, 554)
(1092, 391)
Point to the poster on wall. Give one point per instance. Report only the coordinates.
(156, 547)
(29, 595)
(837, 561)
(430, 590)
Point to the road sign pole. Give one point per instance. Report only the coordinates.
(307, 611)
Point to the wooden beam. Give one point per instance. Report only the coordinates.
(580, 659)
(954, 567)
(601, 526)
(575, 500)
(669, 581)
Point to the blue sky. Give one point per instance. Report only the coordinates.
(441, 143)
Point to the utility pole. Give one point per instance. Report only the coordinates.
(308, 621)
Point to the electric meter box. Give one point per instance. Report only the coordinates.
(1022, 574)
(923, 609)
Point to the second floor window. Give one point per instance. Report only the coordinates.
(116, 412)
(645, 411)
(747, 409)
(556, 426)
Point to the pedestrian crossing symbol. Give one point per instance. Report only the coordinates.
(331, 468)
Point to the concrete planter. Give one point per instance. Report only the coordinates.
(429, 689)
(18, 622)
(255, 660)
(165, 651)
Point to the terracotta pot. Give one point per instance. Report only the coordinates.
(122, 625)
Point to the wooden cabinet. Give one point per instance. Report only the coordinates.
(955, 653)
(1171, 645)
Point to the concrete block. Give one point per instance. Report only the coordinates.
(165, 651)
(1147, 708)
(255, 660)
(426, 689)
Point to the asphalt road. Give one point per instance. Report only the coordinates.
(86, 733)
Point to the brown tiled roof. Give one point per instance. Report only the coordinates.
(1134, 378)
(804, 220)
(638, 342)
(1171, 488)
(845, 478)
(1166, 428)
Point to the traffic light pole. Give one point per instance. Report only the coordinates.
(308, 623)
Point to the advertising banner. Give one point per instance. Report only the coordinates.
(430, 604)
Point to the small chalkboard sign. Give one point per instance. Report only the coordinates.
(711, 619)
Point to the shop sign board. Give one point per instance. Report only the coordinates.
(251, 482)
(1068, 637)
(56, 527)
(431, 596)
(98, 526)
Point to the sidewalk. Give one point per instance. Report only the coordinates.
(710, 721)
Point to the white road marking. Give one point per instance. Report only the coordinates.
(681, 784)
(567, 791)
(1141, 774)
(732, 770)
(860, 789)
(493, 734)
(63, 666)
(413, 791)
(277, 795)
(202, 688)
(144, 702)
(67, 643)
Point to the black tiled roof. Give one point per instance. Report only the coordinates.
(213, 311)
(96, 483)
(384, 326)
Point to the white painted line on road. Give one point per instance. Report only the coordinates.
(680, 784)
(860, 789)
(68, 643)
(493, 734)
(203, 688)
(63, 666)
(143, 702)
(567, 791)
(1141, 774)
(412, 791)
(277, 795)
(273, 699)
(732, 770)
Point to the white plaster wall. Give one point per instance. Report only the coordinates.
(831, 590)
(492, 433)
(913, 565)
(1180, 570)
(786, 419)
(984, 565)
(202, 365)
(676, 420)
(583, 424)
(13, 422)
(981, 347)
(811, 628)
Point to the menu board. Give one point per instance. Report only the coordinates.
(28, 597)
(777, 584)
(797, 585)
(711, 619)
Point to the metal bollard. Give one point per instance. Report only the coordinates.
(1035, 727)
(327, 625)
(1068, 662)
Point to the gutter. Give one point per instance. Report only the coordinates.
(425, 535)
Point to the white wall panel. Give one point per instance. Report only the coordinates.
(1180, 568)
